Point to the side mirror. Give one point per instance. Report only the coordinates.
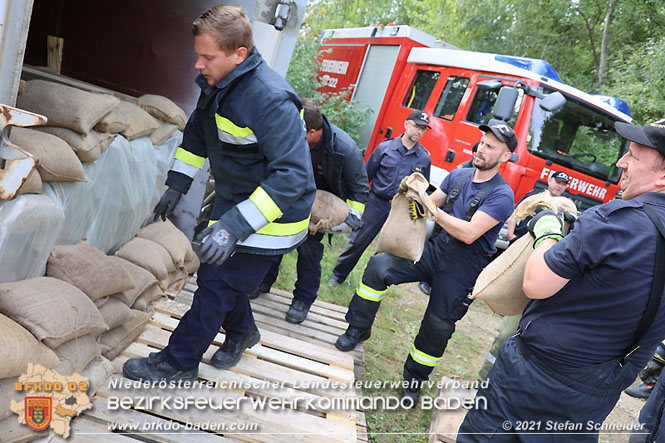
(553, 102)
(505, 103)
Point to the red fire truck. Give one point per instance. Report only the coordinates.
(398, 69)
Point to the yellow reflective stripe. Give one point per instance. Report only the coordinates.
(302, 114)
(266, 205)
(283, 229)
(360, 207)
(422, 358)
(227, 125)
(189, 158)
(368, 293)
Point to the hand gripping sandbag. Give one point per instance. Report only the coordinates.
(328, 210)
(401, 235)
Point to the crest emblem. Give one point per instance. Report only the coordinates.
(38, 412)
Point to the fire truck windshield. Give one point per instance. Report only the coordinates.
(579, 137)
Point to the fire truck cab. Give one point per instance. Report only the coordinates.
(558, 127)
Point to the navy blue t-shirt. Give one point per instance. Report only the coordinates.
(498, 204)
(609, 258)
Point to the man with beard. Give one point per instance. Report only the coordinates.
(476, 202)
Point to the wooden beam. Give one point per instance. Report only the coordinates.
(54, 54)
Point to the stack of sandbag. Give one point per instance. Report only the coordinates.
(500, 283)
(72, 113)
(163, 250)
(328, 210)
(169, 116)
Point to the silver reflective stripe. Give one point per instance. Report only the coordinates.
(263, 241)
(228, 138)
(252, 214)
(184, 168)
(491, 358)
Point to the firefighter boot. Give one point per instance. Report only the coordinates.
(350, 339)
(297, 311)
(234, 345)
(641, 391)
(155, 368)
(410, 393)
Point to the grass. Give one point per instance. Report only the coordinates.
(396, 326)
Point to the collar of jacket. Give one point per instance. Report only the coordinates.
(328, 137)
(252, 62)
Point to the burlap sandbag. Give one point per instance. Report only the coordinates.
(149, 255)
(328, 210)
(500, 283)
(141, 124)
(113, 122)
(88, 147)
(77, 353)
(163, 133)
(142, 278)
(192, 262)
(115, 313)
(117, 339)
(32, 185)
(166, 234)
(97, 372)
(65, 106)
(147, 298)
(52, 310)
(7, 394)
(89, 269)
(400, 235)
(20, 347)
(57, 160)
(102, 301)
(164, 109)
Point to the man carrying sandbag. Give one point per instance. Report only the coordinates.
(390, 162)
(339, 169)
(596, 315)
(247, 123)
(477, 203)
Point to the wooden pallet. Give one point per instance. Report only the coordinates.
(280, 368)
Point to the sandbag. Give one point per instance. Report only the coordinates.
(7, 394)
(52, 310)
(77, 353)
(164, 109)
(87, 147)
(113, 122)
(141, 124)
(115, 313)
(117, 339)
(400, 235)
(166, 234)
(162, 133)
(88, 269)
(147, 297)
(328, 210)
(149, 255)
(97, 372)
(57, 160)
(65, 106)
(142, 280)
(192, 262)
(102, 301)
(20, 347)
(32, 185)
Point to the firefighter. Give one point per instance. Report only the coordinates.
(339, 169)
(390, 162)
(247, 123)
(477, 202)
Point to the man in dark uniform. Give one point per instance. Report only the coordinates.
(390, 162)
(588, 331)
(480, 201)
(247, 123)
(339, 169)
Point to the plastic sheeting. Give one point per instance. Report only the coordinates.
(123, 186)
(29, 226)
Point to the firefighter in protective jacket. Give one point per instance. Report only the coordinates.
(248, 124)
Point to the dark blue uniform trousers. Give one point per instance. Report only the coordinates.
(220, 300)
(371, 222)
(527, 397)
(652, 416)
(451, 266)
(310, 253)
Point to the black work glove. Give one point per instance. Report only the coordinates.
(216, 244)
(546, 224)
(166, 204)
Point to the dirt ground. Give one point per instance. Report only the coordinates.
(481, 322)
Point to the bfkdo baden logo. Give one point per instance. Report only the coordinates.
(38, 412)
